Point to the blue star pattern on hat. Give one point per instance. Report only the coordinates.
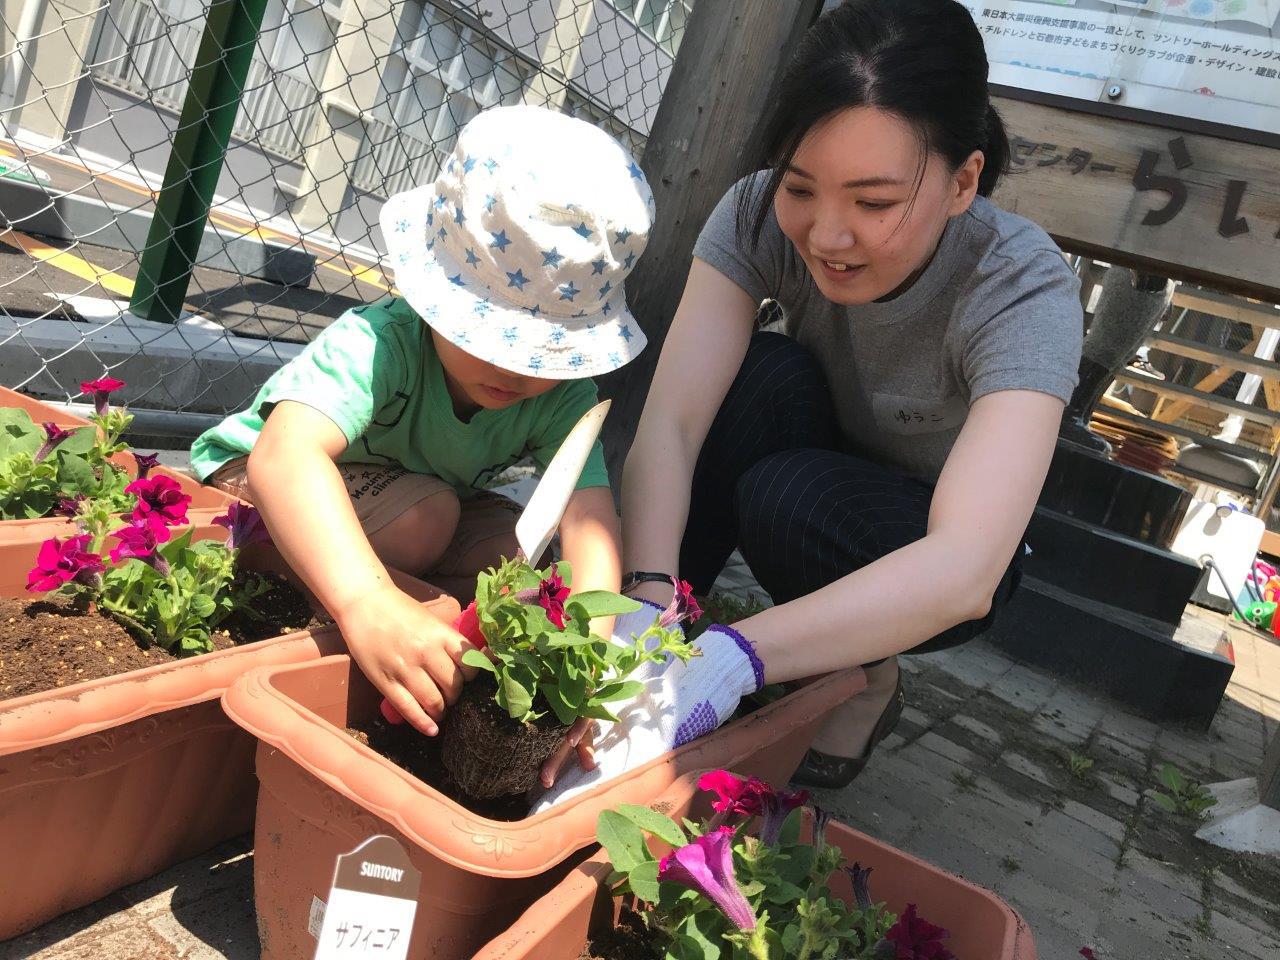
(519, 266)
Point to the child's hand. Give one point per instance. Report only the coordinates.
(413, 658)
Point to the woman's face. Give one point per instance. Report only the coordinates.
(846, 202)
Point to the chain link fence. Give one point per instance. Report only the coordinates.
(344, 103)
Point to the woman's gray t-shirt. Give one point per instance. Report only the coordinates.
(996, 309)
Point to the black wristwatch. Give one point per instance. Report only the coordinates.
(636, 577)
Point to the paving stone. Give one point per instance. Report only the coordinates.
(892, 742)
(222, 925)
(1118, 791)
(1251, 942)
(1059, 729)
(1129, 729)
(1024, 688)
(128, 941)
(1226, 890)
(1137, 934)
(1069, 841)
(1121, 750)
(978, 728)
(1037, 896)
(914, 716)
(1108, 826)
(227, 865)
(952, 751)
(86, 924)
(1016, 761)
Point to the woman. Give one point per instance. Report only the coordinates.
(877, 467)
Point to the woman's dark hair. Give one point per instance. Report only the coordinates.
(922, 60)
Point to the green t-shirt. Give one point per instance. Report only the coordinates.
(376, 375)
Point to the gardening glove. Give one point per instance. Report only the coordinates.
(680, 702)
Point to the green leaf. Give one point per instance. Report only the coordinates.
(651, 821)
(474, 658)
(75, 475)
(564, 712)
(790, 833)
(684, 947)
(1172, 777)
(1165, 801)
(617, 691)
(80, 442)
(518, 700)
(572, 682)
(597, 711)
(644, 881)
(602, 603)
(622, 840)
(202, 606)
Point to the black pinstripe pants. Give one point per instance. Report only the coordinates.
(773, 481)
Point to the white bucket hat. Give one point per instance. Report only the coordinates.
(518, 252)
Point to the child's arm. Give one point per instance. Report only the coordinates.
(591, 540)
(409, 655)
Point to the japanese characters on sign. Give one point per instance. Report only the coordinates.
(369, 914)
(1208, 60)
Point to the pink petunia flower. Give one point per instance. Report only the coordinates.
(64, 561)
(734, 795)
(915, 938)
(552, 593)
(141, 540)
(706, 865)
(683, 606)
(160, 496)
(101, 389)
(245, 525)
(53, 435)
(146, 462)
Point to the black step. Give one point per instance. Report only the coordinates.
(1097, 564)
(1143, 663)
(1132, 503)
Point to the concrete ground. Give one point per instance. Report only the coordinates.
(977, 779)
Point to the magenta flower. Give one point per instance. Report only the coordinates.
(160, 496)
(245, 526)
(141, 540)
(821, 818)
(683, 606)
(69, 506)
(734, 795)
(706, 865)
(53, 435)
(64, 561)
(552, 593)
(915, 938)
(775, 805)
(146, 463)
(101, 389)
(1087, 953)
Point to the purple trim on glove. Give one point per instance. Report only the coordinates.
(747, 648)
(648, 603)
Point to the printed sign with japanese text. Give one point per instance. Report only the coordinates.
(1216, 61)
(369, 914)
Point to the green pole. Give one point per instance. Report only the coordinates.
(195, 163)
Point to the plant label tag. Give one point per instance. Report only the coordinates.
(371, 904)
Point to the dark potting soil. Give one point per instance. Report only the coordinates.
(487, 752)
(627, 940)
(47, 643)
(419, 756)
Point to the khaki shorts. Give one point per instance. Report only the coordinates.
(380, 494)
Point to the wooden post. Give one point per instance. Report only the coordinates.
(704, 138)
(1269, 775)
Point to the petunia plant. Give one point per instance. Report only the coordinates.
(722, 892)
(43, 465)
(539, 646)
(152, 578)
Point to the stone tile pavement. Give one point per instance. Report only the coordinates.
(977, 779)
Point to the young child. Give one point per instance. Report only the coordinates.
(370, 448)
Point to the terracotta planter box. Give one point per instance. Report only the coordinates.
(40, 411)
(107, 782)
(323, 793)
(982, 926)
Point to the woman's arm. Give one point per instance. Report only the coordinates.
(979, 514)
(701, 356)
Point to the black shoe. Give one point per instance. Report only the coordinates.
(820, 769)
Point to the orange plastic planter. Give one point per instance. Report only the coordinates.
(322, 793)
(982, 926)
(107, 782)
